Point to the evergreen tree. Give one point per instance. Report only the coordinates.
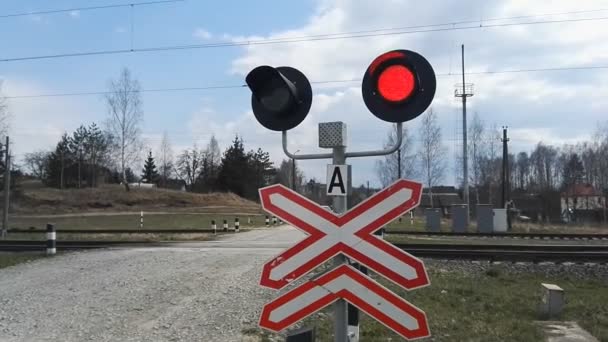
(130, 175)
(59, 163)
(233, 169)
(573, 171)
(260, 172)
(149, 173)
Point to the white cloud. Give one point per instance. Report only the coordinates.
(75, 14)
(202, 34)
(535, 105)
(38, 123)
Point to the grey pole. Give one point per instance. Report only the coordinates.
(7, 188)
(465, 159)
(340, 307)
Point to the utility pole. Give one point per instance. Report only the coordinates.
(293, 174)
(399, 163)
(79, 162)
(505, 168)
(465, 90)
(7, 187)
(61, 173)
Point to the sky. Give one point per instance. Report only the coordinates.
(556, 107)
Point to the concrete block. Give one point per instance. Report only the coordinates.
(552, 301)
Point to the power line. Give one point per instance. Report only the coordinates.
(142, 91)
(90, 8)
(237, 86)
(335, 36)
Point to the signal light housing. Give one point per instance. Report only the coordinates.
(281, 97)
(398, 86)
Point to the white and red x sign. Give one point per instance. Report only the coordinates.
(350, 234)
(345, 282)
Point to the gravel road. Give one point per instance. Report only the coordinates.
(203, 291)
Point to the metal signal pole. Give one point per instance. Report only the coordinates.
(399, 163)
(339, 156)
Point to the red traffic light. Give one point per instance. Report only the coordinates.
(281, 97)
(398, 86)
(396, 83)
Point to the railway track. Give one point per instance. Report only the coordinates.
(122, 231)
(513, 253)
(530, 236)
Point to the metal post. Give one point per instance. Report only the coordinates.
(79, 162)
(51, 237)
(399, 163)
(7, 188)
(225, 225)
(267, 221)
(237, 225)
(505, 168)
(465, 159)
(340, 307)
(214, 226)
(141, 220)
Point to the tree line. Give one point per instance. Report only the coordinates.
(546, 169)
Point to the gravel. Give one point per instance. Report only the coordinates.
(207, 291)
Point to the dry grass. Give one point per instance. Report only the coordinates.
(42, 200)
(494, 305)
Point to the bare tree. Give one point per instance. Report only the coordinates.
(523, 170)
(490, 171)
(477, 151)
(189, 164)
(4, 114)
(165, 159)
(37, 162)
(126, 115)
(285, 174)
(214, 158)
(388, 168)
(432, 152)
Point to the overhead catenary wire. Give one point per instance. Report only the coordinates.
(237, 86)
(300, 39)
(87, 8)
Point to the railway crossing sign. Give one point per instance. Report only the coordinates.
(350, 234)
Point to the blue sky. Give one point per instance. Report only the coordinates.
(558, 107)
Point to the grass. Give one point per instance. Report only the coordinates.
(10, 259)
(132, 221)
(490, 305)
(37, 199)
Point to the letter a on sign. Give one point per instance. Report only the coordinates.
(337, 180)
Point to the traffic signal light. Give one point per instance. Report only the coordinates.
(398, 86)
(281, 97)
